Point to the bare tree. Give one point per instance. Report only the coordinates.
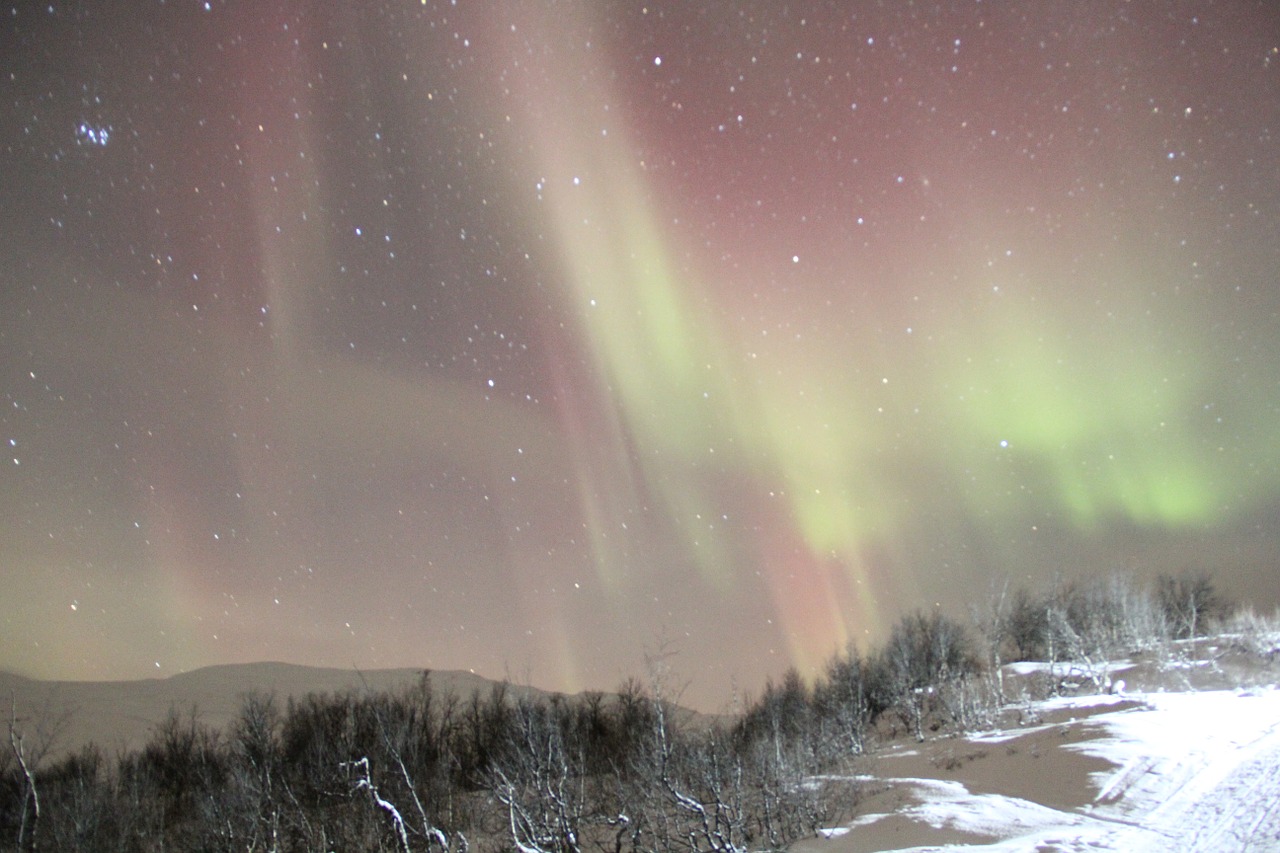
(1028, 628)
(32, 738)
(26, 760)
(256, 783)
(412, 735)
(923, 653)
(842, 699)
(995, 623)
(540, 780)
(1188, 602)
(362, 779)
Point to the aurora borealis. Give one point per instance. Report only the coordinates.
(523, 337)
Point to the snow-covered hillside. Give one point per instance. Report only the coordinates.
(1194, 771)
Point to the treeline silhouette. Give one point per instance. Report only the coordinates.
(631, 772)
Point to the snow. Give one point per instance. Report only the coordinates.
(953, 807)
(1192, 772)
(1031, 667)
(1188, 751)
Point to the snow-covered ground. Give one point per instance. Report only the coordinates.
(1197, 771)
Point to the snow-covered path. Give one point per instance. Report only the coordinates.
(1219, 791)
(1193, 773)
(1241, 812)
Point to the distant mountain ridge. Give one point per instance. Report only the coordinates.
(120, 715)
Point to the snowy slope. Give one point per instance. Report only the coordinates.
(1192, 772)
(1198, 771)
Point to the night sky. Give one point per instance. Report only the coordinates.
(524, 337)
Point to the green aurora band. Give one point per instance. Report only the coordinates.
(1021, 409)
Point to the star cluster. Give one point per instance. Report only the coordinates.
(518, 338)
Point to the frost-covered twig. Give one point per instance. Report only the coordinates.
(366, 782)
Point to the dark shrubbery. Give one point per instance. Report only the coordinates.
(416, 770)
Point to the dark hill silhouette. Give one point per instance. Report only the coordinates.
(121, 714)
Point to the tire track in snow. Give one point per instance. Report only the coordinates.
(1236, 806)
(1242, 812)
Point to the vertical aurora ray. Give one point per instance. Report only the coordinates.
(683, 416)
(654, 357)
